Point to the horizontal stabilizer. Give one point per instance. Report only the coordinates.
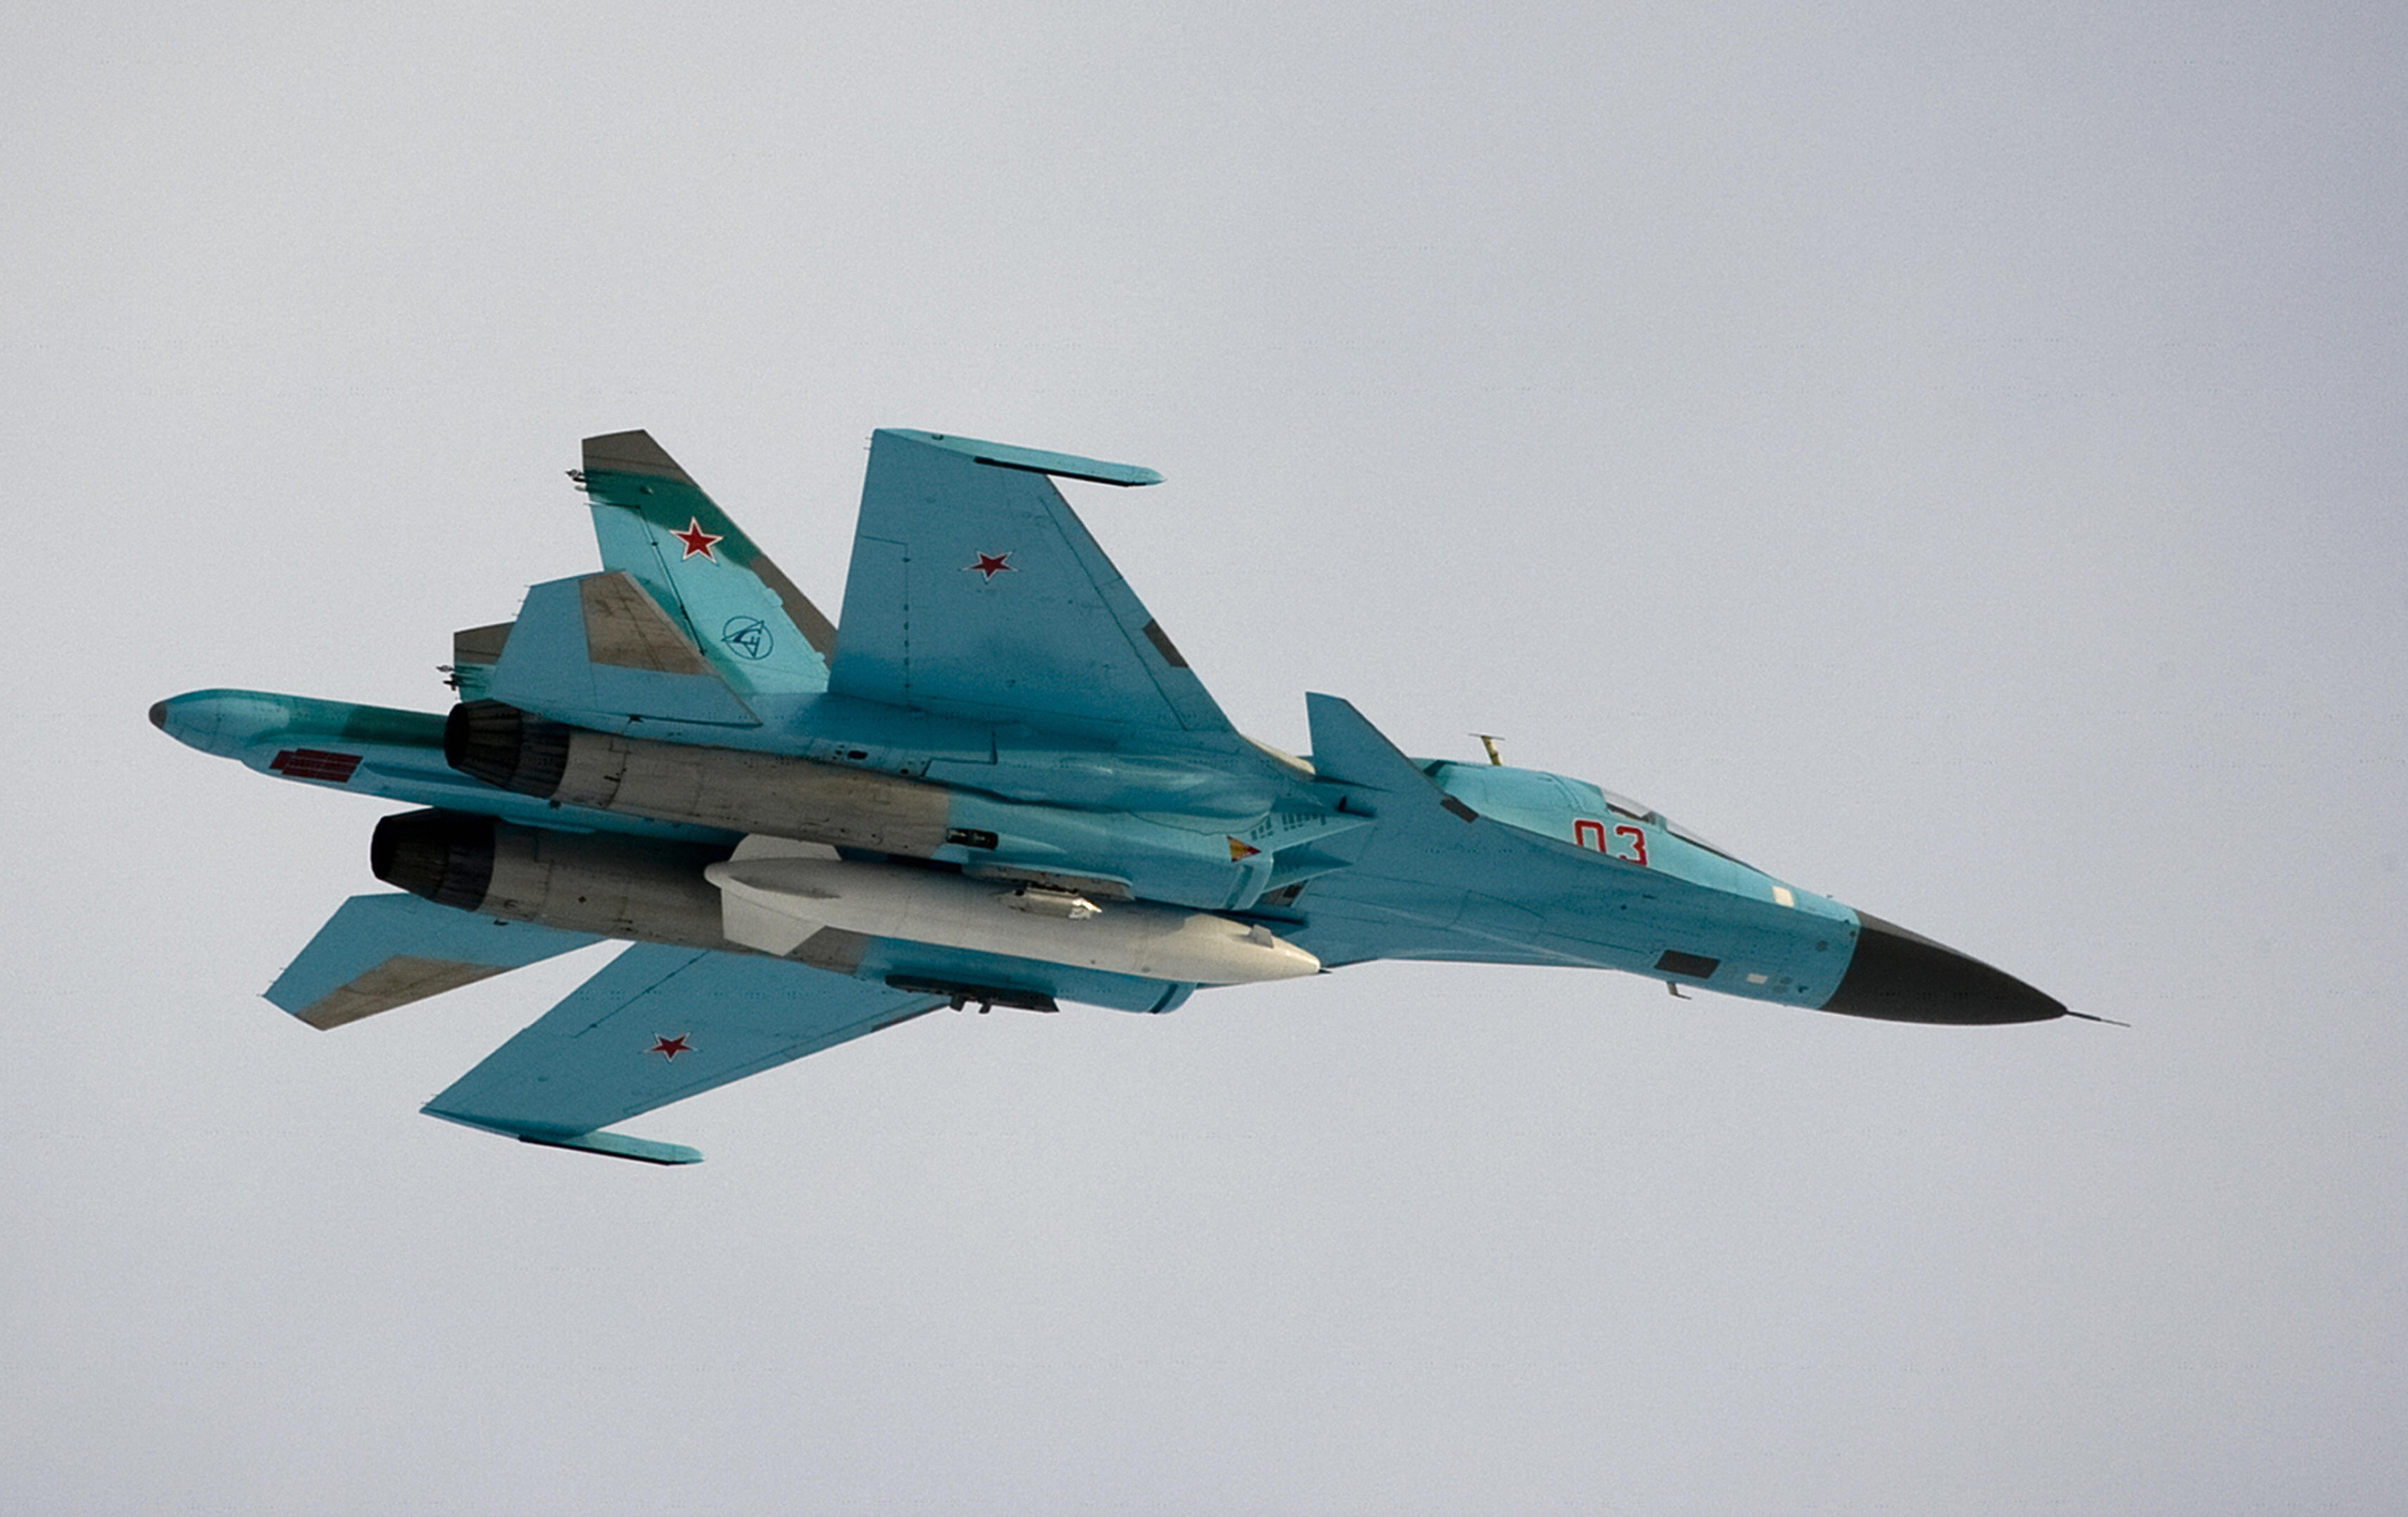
(382, 951)
(475, 650)
(597, 650)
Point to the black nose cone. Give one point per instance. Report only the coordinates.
(1902, 976)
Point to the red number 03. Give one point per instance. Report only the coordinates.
(1589, 834)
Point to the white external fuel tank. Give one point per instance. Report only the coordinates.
(775, 894)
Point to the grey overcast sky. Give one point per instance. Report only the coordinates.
(1951, 457)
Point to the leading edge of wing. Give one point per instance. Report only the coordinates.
(658, 1025)
(975, 591)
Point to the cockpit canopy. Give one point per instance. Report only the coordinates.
(1549, 805)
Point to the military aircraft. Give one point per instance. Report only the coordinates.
(994, 781)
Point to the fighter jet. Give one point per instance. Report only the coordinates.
(994, 782)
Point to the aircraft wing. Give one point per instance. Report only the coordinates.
(656, 1026)
(976, 592)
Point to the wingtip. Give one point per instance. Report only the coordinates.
(620, 1146)
(608, 1145)
(1031, 460)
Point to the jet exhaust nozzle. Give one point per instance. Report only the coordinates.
(507, 747)
(445, 855)
(777, 795)
(645, 889)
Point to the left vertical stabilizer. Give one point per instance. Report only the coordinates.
(654, 524)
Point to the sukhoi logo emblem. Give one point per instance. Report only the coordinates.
(748, 637)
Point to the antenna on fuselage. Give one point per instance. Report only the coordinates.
(1489, 741)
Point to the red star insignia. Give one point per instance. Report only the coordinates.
(697, 540)
(670, 1047)
(991, 564)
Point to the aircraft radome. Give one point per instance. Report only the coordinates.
(994, 781)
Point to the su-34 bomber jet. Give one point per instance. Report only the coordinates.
(995, 782)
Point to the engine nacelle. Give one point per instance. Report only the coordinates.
(603, 882)
(768, 793)
(1102, 854)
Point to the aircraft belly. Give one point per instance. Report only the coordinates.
(1693, 934)
(1182, 865)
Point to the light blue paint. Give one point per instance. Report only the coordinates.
(990, 647)
(975, 592)
(546, 667)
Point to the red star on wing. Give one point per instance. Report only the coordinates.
(670, 1047)
(991, 564)
(697, 540)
